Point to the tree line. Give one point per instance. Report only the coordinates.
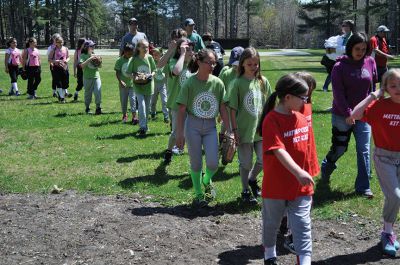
(267, 23)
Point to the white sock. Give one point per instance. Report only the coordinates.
(66, 91)
(60, 92)
(15, 86)
(305, 260)
(388, 227)
(269, 252)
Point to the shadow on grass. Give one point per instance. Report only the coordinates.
(373, 254)
(41, 103)
(155, 156)
(132, 134)
(321, 111)
(325, 195)
(104, 123)
(159, 178)
(64, 114)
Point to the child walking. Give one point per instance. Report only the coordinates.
(78, 72)
(142, 63)
(246, 97)
(201, 99)
(383, 115)
(160, 88)
(91, 76)
(12, 62)
(177, 74)
(32, 67)
(125, 83)
(287, 186)
(59, 58)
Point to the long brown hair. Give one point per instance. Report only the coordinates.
(250, 52)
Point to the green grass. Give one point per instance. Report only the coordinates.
(43, 143)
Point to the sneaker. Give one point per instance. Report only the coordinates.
(31, 97)
(167, 156)
(55, 95)
(288, 243)
(76, 97)
(98, 111)
(87, 110)
(209, 192)
(166, 120)
(11, 93)
(177, 151)
(271, 261)
(142, 132)
(135, 121)
(153, 116)
(199, 202)
(17, 93)
(255, 189)
(248, 198)
(124, 118)
(367, 194)
(62, 100)
(68, 95)
(1, 90)
(35, 96)
(388, 242)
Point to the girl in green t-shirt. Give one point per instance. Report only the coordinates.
(90, 64)
(200, 101)
(142, 66)
(126, 84)
(160, 87)
(247, 95)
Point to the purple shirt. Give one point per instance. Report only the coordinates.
(352, 81)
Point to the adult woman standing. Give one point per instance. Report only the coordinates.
(201, 98)
(353, 78)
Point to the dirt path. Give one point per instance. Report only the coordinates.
(84, 229)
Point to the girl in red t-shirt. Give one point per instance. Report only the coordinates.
(287, 183)
(383, 114)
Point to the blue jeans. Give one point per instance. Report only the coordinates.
(327, 82)
(341, 133)
(143, 109)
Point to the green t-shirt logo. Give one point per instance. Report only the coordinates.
(253, 102)
(205, 105)
(143, 69)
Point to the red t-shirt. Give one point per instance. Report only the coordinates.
(380, 60)
(313, 166)
(384, 117)
(291, 133)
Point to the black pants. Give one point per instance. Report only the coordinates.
(61, 77)
(33, 73)
(79, 78)
(381, 72)
(13, 72)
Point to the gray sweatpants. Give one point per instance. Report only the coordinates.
(92, 86)
(162, 90)
(172, 136)
(201, 134)
(126, 93)
(387, 166)
(246, 167)
(298, 212)
(144, 109)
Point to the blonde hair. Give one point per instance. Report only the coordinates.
(392, 73)
(138, 44)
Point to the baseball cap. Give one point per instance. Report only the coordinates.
(189, 22)
(132, 20)
(382, 28)
(89, 43)
(235, 55)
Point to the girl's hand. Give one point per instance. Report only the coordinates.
(378, 93)
(350, 120)
(184, 47)
(122, 84)
(180, 141)
(304, 178)
(237, 138)
(172, 45)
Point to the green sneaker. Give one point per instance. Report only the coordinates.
(199, 202)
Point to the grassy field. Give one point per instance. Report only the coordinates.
(43, 143)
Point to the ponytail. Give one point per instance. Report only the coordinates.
(268, 106)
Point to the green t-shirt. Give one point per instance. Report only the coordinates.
(142, 65)
(202, 98)
(227, 76)
(90, 71)
(159, 76)
(121, 66)
(246, 97)
(199, 44)
(174, 83)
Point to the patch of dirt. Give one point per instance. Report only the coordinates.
(71, 228)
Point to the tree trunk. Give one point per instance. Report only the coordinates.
(216, 18)
(328, 19)
(366, 26)
(392, 21)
